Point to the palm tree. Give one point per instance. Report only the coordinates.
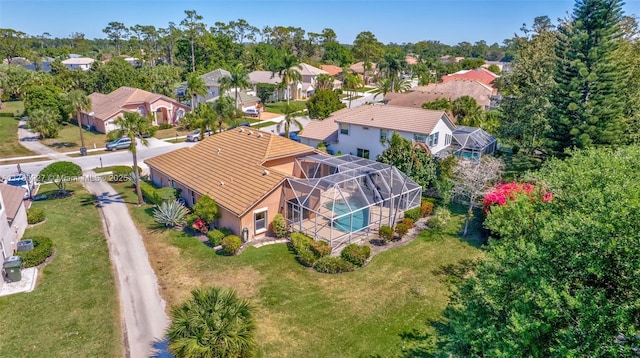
(196, 86)
(215, 322)
(383, 87)
(224, 111)
(289, 72)
(392, 64)
(324, 82)
(133, 125)
(239, 79)
(351, 82)
(205, 117)
(290, 112)
(79, 101)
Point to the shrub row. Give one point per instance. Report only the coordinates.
(316, 254)
(425, 209)
(157, 195)
(42, 248)
(6, 114)
(216, 235)
(356, 254)
(165, 126)
(35, 215)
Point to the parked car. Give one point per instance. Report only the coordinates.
(23, 181)
(252, 112)
(195, 136)
(120, 143)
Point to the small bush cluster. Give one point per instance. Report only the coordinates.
(320, 248)
(35, 215)
(113, 135)
(200, 225)
(440, 218)
(385, 233)
(408, 222)
(42, 248)
(165, 126)
(279, 225)
(231, 245)
(401, 230)
(170, 214)
(216, 235)
(413, 214)
(157, 195)
(332, 264)
(426, 208)
(356, 254)
(316, 254)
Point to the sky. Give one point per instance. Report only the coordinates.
(399, 21)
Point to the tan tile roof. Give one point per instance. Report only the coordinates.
(228, 166)
(105, 106)
(13, 198)
(452, 89)
(325, 130)
(78, 61)
(358, 67)
(332, 70)
(308, 70)
(264, 77)
(405, 119)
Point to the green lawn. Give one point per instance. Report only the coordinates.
(9, 144)
(171, 133)
(277, 107)
(73, 312)
(263, 124)
(372, 312)
(12, 107)
(69, 139)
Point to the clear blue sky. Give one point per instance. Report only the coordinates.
(448, 21)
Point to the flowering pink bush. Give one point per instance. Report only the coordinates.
(201, 226)
(506, 192)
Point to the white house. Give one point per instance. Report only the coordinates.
(364, 131)
(79, 63)
(13, 218)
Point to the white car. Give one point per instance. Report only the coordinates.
(23, 181)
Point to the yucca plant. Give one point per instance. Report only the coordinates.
(170, 214)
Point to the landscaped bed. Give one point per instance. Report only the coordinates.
(306, 313)
(73, 311)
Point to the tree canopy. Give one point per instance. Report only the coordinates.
(322, 103)
(414, 160)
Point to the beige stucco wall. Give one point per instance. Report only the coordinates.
(6, 234)
(19, 224)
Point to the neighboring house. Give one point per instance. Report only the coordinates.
(269, 77)
(299, 89)
(450, 59)
(451, 90)
(358, 68)
(79, 63)
(332, 70)
(13, 218)
(503, 66)
(410, 60)
(245, 100)
(106, 108)
(364, 132)
(309, 81)
(212, 82)
(253, 176)
(481, 75)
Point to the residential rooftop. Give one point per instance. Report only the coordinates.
(405, 119)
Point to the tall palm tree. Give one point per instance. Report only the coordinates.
(205, 118)
(324, 82)
(290, 112)
(392, 64)
(351, 82)
(133, 125)
(79, 101)
(224, 111)
(289, 72)
(238, 79)
(215, 322)
(196, 86)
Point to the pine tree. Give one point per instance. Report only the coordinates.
(588, 101)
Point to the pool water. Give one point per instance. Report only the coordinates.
(360, 218)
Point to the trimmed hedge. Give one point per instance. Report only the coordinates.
(216, 235)
(413, 214)
(35, 215)
(385, 233)
(231, 244)
(6, 114)
(279, 225)
(320, 248)
(356, 254)
(332, 264)
(401, 230)
(42, 248)
(408, 222)
(306, 257)
(426, 208)
(300, 241)
(157, 195)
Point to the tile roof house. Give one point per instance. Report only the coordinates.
(253, 176)
(363, 131)
(481, 75)
(332, 70)
(299, 89)
(451, 90)
(79, 63)
(106, 108)
(13, 218)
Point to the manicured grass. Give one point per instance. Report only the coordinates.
(12, 107)
(69, 139)
(263, 124)
(277, 107)
(302, 313)
(73, 312)
(9, 144)
(171, 133)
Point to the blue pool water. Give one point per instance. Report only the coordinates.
(360, 218)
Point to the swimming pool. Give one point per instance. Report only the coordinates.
(360, 217)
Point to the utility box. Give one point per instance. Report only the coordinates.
(25, 245)
(12, 268)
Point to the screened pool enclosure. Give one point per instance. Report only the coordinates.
(344, 199)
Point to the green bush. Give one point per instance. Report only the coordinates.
(206, 209)
(113, 135)
(320, 248)
(231, 244)
(408, 222)
(35, 215)
(413, 214)
(332, 264)
(165, 126)
(306, 257)
(279, 225)
(215, 237)
(166, 194)
(42, 248)
(401, 230)
(157, 195)
(385, 233)
(440, 218)
(300, 241)
(356, 254)
(426, 208)
(191, 218)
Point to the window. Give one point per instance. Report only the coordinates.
(142, 111)
(421, 138)
(260, 221)
(384, 135)
(447, 139)
(363, 153)
(344, 128)
(193, 198)
(365, 128)
(432, 141)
